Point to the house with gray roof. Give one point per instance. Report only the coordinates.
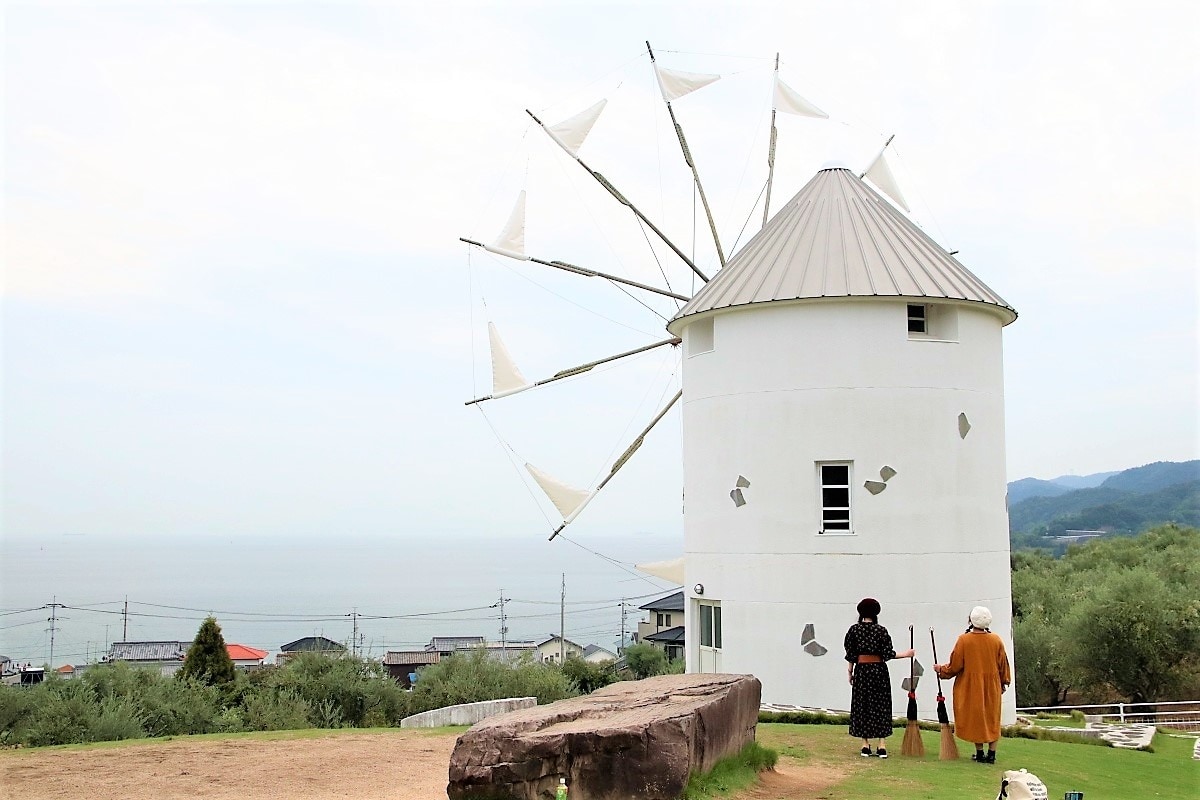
(165, 656)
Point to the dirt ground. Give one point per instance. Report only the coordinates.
(399, 765)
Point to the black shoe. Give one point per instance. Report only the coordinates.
(865, 752)
(991, 757)
(979, 756)
(881, 752)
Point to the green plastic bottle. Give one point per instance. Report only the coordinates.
(561, 792)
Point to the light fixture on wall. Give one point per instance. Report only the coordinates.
(698, 588)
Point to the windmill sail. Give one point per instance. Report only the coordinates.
(506, 378)
(570, 133)
(789, 102)
(881, 175)
(671, 570)
(511, 241)
(674, 84)
(567, 499)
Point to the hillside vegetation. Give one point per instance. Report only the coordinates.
(1113, 619)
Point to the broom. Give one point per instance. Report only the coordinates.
(949, 750)
(912, 744)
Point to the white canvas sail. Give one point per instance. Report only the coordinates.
(567, 499)
(506, 378)
(511, 241)
(789, 102)
(671, 570)
(881, 176)
(675, 84)
(570, 133)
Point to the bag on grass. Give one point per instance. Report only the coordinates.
(1021, 785)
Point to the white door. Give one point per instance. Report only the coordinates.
(708, 635)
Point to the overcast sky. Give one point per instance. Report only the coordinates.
(236, 303)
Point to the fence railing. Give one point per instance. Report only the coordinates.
(1183, 715)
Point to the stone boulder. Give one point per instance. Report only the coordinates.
(635, 740)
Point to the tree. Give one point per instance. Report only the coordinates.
(1136, 634)
(586, 676)
(207, 659)
(645, 660)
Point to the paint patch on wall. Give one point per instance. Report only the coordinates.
(739, 499)
(887, 473)
(964, 426)
(875, 487)
(808, 639)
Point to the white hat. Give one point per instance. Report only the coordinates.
(980, 617)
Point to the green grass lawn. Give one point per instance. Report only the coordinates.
(1100, 773)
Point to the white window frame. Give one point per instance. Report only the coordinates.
(832, 513)
(939, 322)
(712, 628)
(922, 318)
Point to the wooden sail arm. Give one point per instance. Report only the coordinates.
(591, 273)
(620, 462)
(876, 158)
(771, 154)
(620, 198)
(578, 370)
(691, 162)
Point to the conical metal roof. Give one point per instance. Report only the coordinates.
(839, 238)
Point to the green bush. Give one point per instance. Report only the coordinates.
(588, 677)
(341, 691)
(16, 705)
(65, 714)
(646, 660)
(118, 718)
(472, 677)
(176, 707)
(283, 710)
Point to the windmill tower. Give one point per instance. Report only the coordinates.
(843, 437)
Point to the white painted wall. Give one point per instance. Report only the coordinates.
(788, 385)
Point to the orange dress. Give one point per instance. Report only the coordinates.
(979, 666)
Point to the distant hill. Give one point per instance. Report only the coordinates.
(1152, 477)
(1026, 488)
(1124, 503)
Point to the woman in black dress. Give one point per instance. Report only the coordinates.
(868, 649)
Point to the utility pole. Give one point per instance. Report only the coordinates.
(53, 620)
(621, 649)
(125, 623)
(503, 629)
(562, 623)
(354, 636)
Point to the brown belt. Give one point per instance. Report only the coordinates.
(870, 660)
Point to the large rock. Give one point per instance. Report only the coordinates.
(632, 740)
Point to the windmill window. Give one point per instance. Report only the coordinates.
(917, 320)
(700, 337)
(932, 322)
(835, 497)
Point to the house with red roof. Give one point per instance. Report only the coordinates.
(245, 658)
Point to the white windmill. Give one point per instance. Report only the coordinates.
(843, 431)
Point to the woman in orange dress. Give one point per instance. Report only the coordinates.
(979, 666)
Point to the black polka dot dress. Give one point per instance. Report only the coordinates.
(871, 695)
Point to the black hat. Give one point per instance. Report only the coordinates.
(869, 607)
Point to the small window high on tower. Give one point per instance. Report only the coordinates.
(917, 321)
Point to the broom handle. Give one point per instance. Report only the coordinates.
(933, 644)
(912, 660)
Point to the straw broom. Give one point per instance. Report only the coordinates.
(949, 748)
(912, 744)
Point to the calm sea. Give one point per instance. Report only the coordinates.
(266, 592)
